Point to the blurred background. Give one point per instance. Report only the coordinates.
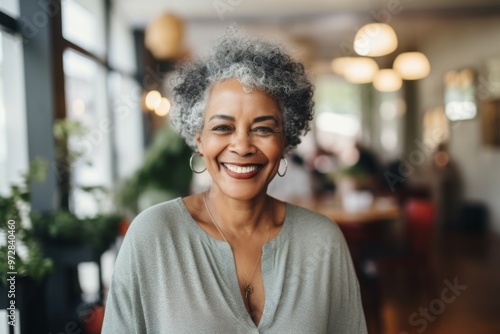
(403, 154)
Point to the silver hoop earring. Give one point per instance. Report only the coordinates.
(191, 163)
(286, 167)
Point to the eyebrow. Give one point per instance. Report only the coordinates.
(255, 120)
(265, 118)
(219, 116)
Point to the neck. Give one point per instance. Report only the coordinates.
(239, 217)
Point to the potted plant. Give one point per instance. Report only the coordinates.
(62, 227)
(69, 239)
(163, 175)
(22, 253)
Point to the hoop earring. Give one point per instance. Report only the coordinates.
(191, 163)
(286, 167)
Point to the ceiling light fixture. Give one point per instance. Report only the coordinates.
(339, 65)
(387, 80)
(164, 108)
(152, 100)
(360, 70)
(164, 36)
(412, 65)
(375, 39)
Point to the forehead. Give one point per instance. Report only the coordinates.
(230, 96)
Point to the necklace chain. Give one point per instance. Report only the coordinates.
(248, 285)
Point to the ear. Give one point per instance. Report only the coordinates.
(197, 137)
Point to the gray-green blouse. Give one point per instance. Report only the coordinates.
(170, 276)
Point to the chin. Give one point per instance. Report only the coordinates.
(238, 192)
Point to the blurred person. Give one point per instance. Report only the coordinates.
(369, 167)
(447, 187)
(233, 259)
(359, 181)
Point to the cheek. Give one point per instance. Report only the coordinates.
(280, 147)
(211, 147)
(276, 154)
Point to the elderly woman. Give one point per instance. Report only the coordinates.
(233, 259)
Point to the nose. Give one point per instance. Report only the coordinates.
(242, 144)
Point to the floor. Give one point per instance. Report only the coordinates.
(458, 292)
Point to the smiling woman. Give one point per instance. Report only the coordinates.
(233, 259)
(242, 139)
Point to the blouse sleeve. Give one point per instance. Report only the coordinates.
(123, 310)
(347, 314)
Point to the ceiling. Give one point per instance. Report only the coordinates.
(139, 12)
(325, 26)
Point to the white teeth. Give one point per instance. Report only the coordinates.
(241, 170)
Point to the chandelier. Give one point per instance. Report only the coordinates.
(376, 40)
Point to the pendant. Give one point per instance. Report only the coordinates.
(248, 290)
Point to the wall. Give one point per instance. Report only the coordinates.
(454, 45)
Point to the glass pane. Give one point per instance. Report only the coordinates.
(121, 54)
(13, 132)
(125, 96)
(460, 95)
(338, 114)
(336, 95)
(86, 103)
(10, 7)
(392, 109)
(83, 24)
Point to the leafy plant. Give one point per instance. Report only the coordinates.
(165, 167)
(64, 228)
(65, 131)
(29, 259)
(34, 264)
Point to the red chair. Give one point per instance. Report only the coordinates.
(420, 218)
(414, 257)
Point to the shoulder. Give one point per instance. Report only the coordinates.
(160, 217)
(311, 224)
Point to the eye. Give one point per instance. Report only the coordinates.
(263, 130)
(221, 128)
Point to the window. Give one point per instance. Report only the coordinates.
(122, 48)
(338, 115)
(114, 122)
(10, 7)
(86, 102)
(390, 124)
(83, 24)
(13, 133)
(125, 96)
(460, 95)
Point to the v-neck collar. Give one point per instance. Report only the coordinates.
(230, 279)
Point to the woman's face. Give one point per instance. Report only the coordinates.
(242, 140)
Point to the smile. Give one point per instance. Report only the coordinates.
(241, 169)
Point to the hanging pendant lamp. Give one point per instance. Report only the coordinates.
(387, 80)
(412, 65)
(375, 39)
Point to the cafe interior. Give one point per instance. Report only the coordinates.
(403, 152)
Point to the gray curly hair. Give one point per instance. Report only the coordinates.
(256, 63)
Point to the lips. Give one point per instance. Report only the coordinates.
(240, 171)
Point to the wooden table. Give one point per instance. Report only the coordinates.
(360, 228)
(330, 206)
